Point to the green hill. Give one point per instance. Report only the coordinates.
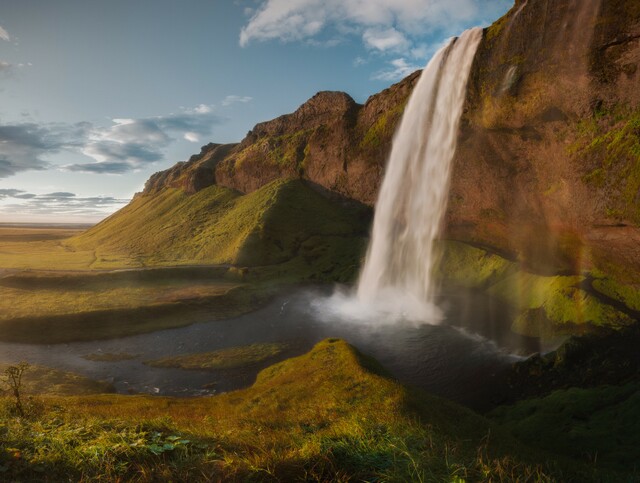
(279, 222)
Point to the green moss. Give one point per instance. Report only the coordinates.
(545, 306)
(381, 130)
(628, 294)
(230, 358)
(612, 138)
(472, 267)
(560, 298)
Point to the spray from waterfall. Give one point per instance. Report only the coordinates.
(397, 275)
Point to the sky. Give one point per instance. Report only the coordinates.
(96, 95)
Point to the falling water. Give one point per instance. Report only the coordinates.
(397, 276)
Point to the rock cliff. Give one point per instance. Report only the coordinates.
(548, 164)
(330, 140)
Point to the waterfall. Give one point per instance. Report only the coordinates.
(397, 275)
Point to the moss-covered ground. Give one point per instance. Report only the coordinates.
(230, 358)
(330, 415)
(545, 306)
(598, 425)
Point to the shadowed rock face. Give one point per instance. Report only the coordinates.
(548, 163)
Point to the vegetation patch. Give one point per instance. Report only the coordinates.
(597, 425)
(218, 226)
(230, 358)
(38, 380)
(544, 306)
(612, 140)
(326, 416)
(109, 356)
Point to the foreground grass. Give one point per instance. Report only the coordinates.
(330, 415)
(598, 425)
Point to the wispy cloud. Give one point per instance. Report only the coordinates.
(4, 35)
(398, 69)
(385, 40)
(233, 99)
(125, 145)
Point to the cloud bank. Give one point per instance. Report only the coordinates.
(125, 145)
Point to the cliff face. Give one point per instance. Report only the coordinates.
(548, 164)
(330, 140)
(193, 175)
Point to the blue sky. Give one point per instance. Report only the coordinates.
(97, 95)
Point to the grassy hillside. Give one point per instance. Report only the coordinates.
(212, 254)
(330, 415)
(218, 225)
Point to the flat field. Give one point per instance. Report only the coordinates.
(50, 293)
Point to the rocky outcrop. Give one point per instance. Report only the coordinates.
(193, 175)
(330, 140)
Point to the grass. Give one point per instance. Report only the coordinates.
(109, 356)
(330, 415)
(230, 358)
(595, 425)
(219, 226)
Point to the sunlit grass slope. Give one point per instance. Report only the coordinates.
(330, 415)
(217, 225)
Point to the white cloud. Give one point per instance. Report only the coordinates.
(203, 109)
(385, 25)
(385, 39)
(4, 35)
(398, 69)
(192, 137)
(233, 99)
